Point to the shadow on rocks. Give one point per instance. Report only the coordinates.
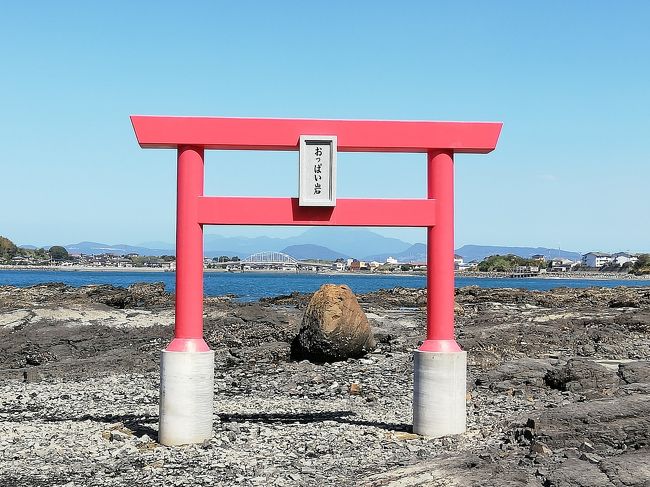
(137, 423)
(345, 417)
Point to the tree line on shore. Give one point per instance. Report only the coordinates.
(508, 263)
(11, 254)
(9, 251)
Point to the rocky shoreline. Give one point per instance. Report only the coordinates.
(577, 275)
(557, 392)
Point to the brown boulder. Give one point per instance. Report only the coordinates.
(334, 327)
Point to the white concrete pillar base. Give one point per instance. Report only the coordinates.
(439, 385)
(186, 397)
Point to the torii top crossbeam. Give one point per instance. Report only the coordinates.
(190, 136)
(283, 134)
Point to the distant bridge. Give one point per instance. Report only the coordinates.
(272, 259)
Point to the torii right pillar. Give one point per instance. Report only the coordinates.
(440, 366)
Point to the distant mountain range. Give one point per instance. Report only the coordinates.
(480, 252)
(310, 251)
(415, 253)
(351, 242)
(319, 243)
(120, 249)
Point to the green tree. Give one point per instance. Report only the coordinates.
(642, 265)
(40, 253)
(8, 249)
(146, 261)
(610, 267)
(58, 253)
(506, 263)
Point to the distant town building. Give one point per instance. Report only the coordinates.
(561, 265)
(539, 257)
(623, 258)
(391, 260)
(458, 261)
(122, 262)
(526, 269)
(19, 260)
(358, 265)
(596, 259)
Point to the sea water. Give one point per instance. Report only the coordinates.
(250, 286)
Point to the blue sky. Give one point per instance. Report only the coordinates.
(570, 81)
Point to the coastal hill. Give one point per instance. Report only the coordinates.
(342, 242)
(418, 253)
(480, 252)
(353, 242)
(415, 253)
(319, 243)
(95, 248)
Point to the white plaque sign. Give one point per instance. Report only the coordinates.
(317, 170)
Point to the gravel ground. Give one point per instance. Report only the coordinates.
(557, 394)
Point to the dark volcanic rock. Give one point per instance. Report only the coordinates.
(334, 327)
(250, 332)
(80, 402)
(585, 376)
(141, 294)
(137, 295)
(635, 372)
(578, 473)
(517, 374)
(397, 297)
(631, 468)
(297, 299)
(612, 423)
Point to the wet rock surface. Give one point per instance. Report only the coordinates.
(558, 388)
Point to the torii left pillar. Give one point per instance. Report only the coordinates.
(187, 365)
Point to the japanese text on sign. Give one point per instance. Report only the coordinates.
(317, 170)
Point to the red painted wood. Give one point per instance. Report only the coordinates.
(191, 135)
(189, 252)
(440, 255)
(283, 134)
(286, 211)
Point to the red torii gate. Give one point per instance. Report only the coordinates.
(183, 401)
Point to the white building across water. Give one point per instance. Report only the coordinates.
(599, 259)
(596, 259)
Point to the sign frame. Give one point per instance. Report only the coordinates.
(306, 171)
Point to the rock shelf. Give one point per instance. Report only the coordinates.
(557, 392)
